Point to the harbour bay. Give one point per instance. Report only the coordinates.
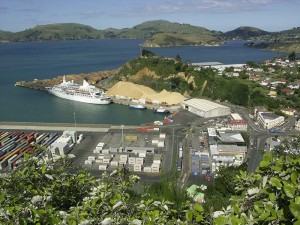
(40, 60)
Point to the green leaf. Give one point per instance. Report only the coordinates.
(295, 210)
(257, 208)
(198, 207)
(294, 177)
(1, 198)
(264, 164)
(189, 215)
(277, 168)
(221, 220)
(44, 169)
(288, 189)
(267, 157)
(272, 197)
(199, 218)
(264, 216)
(22, 221)
(297, 200)
(280, 213)
(275, 182)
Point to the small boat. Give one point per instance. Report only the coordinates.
(162, 110)
(137, 107)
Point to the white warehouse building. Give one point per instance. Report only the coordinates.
(205, 108)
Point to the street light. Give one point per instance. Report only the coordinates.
(122, 127)
(75, 127)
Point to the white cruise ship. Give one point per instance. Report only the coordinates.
(81, 93)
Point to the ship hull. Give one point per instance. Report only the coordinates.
(77, 98)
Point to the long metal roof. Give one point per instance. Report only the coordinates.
(203, 104)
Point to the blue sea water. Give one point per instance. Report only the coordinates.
(39, 60)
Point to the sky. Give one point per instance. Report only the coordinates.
(220, 15)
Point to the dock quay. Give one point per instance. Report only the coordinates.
(60, 126)
(41, 85)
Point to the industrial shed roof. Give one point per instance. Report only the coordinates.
(203, 104)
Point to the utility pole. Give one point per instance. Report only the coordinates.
(75, 128)
(122, 127)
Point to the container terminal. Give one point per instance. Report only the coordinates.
(141, 149)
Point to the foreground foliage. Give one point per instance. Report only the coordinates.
(48, 192)
(42, 192)
(270, 196)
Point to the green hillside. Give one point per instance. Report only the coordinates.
(165, 33)
(159, 32)
(283, 41)
(55, 32)
(5, 35)
(245, 33)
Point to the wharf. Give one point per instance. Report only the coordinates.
(61, 126)
(172, 109)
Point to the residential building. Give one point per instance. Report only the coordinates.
(254, 77)
(288, 91)
(272, 94)
(289, 111)
(269, 120)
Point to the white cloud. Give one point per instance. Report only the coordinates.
(209, 6)
(92, 14)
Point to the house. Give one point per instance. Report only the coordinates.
(288, 91)
(295, 85)
(272, 94)
(254, 77)
(265, 82)
(275, 83)
(289, 111)
(269, 120)
(271, 70)
(257, 70)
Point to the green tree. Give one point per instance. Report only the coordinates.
(178, 58)
(147, 53)
(292, 56)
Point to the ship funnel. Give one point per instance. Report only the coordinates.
(85, 83)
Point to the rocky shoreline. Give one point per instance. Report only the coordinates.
(101, 79)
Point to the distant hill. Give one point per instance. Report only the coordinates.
(245, 33)
(56, 32)
(159, 33)
(156, 33)
(5, 35)
(283, 41)
(163, 33)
